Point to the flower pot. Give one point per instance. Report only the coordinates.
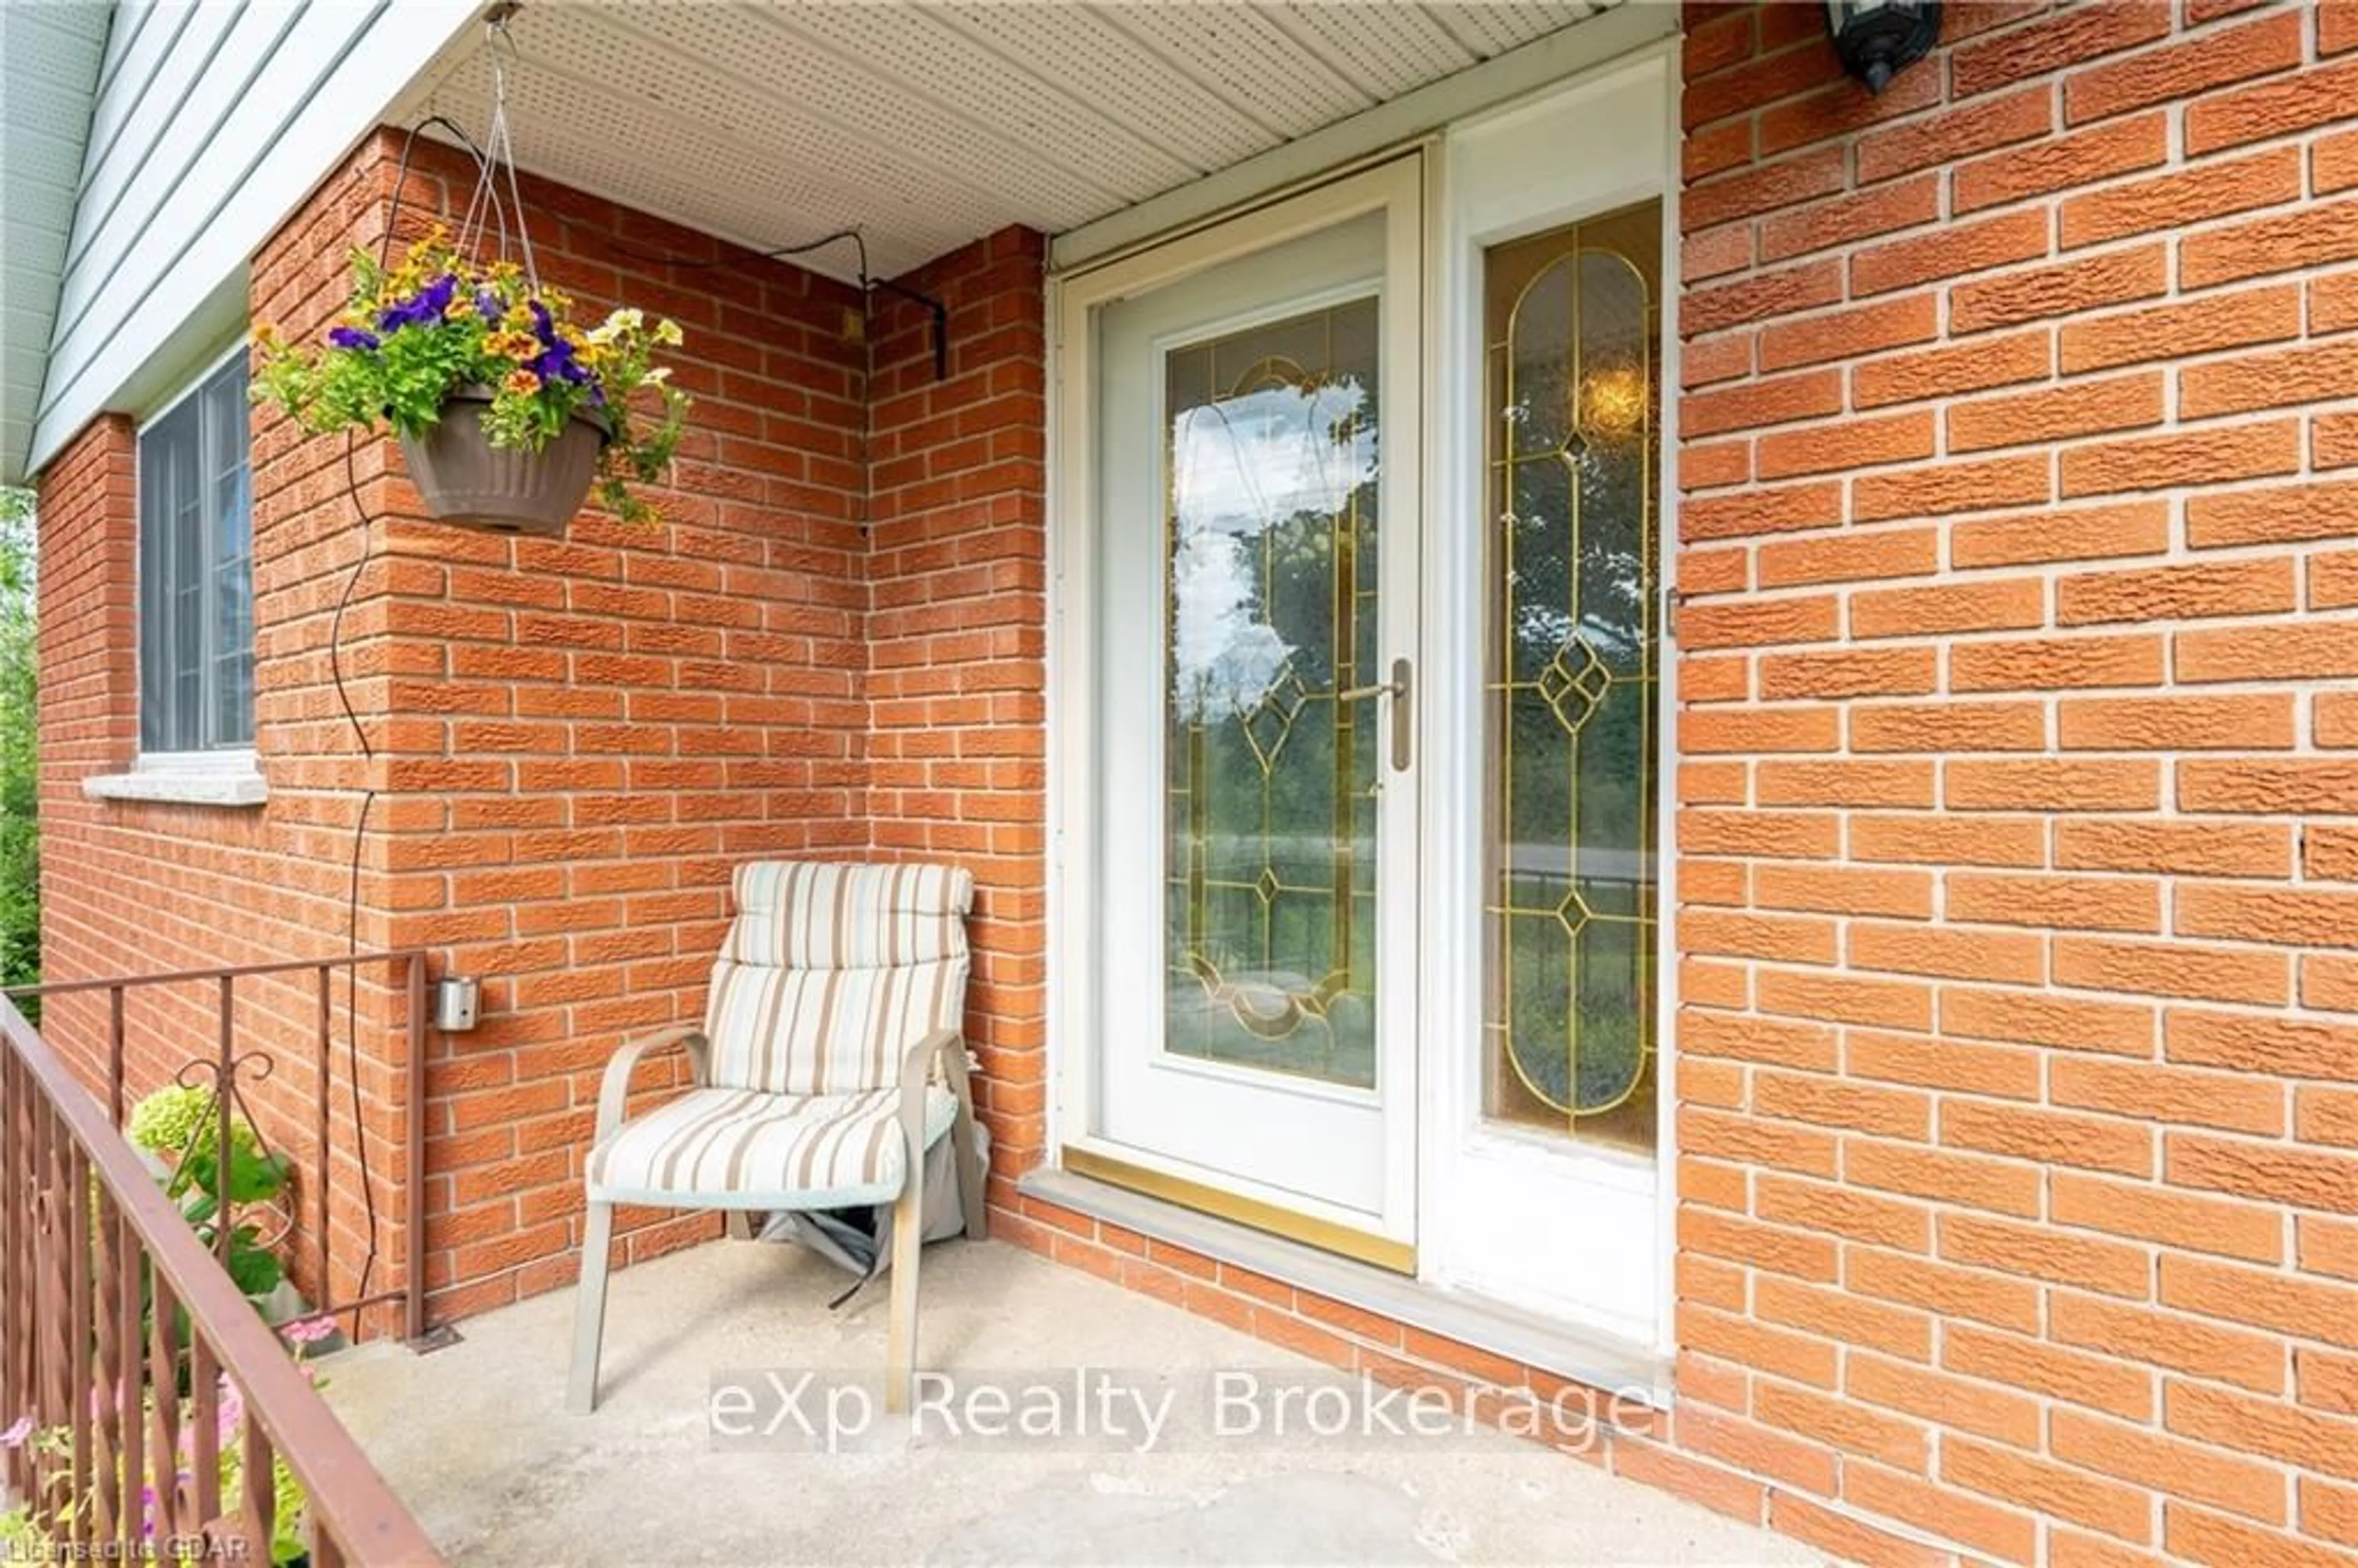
(467, 481)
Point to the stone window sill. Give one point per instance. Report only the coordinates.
(229, 780)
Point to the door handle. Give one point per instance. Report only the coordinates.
(1400, 689)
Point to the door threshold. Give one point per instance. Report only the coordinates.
(1324, 1234)
(1596, 1360)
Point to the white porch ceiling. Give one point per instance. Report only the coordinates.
(926, 124)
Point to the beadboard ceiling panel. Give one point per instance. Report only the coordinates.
(926, 124)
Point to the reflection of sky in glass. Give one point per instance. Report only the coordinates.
(1243, 463)
(1240, 467)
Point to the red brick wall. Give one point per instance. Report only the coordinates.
(2017, 889)
(592, 732)
(956, 568)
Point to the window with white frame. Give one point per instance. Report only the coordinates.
(196, 570)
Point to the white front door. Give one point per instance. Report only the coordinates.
(1253, 403)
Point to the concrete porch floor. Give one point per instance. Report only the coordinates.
(475, 1438)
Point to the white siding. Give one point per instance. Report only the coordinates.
(213, 121)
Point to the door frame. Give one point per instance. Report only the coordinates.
(1449, 999)
(1078, 863)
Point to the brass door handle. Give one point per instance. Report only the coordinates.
(1398, 688)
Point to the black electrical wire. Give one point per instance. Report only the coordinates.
(360, 734)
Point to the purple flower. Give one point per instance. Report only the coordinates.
(486, 305)
(420, 309)
(351, 337)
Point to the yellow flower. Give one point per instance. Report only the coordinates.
(668, 331)
(266, 338)
(625, 322)
(523, 383)
(517, 319)
(513, 345)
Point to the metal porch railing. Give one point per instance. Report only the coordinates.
(121, 1335)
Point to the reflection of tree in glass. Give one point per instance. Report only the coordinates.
(1577, 561)
(1273, 511)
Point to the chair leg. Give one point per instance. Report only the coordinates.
(589, 1309)
(740, 1225)
(901, 1334)
(972, 1174)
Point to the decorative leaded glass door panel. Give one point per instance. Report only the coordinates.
(1572, 324)
(1257, 453)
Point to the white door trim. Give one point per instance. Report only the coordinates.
(1078, 850)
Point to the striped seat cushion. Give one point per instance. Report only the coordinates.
(741, 1149)
(831, 972)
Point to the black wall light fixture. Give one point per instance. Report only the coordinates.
(1878, 38)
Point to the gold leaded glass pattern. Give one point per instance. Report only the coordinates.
(1270, 818)
(1571, 321)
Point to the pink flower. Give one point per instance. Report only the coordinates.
(307, 1330)
(17, 1432)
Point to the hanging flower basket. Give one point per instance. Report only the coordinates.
(465, 478)
(509, 412)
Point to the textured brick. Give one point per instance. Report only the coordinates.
(1976, 366)
(1847, 220)
(2171, 969)
(2267, 109)
(2319, 234)
(1845, 334)
(2062, 288)
(2281, 515)
(2097, 904)
(2038, 418)
(2183, 69)
(2204, 325)
(2293, 1047)
(2074, 39)
(1851, 444)
(2183, 848)
(2311, 374)
(2048, 663)
(1953, 485)
(1954, 250)
(1877, 555)
(2044, 167)
(2203, 456)
(2174, 200)
(2177, 723)
(1955, 133)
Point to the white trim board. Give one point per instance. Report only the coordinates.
(1551, 61)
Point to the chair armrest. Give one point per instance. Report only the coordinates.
(942, 1044)
(615, 1089)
